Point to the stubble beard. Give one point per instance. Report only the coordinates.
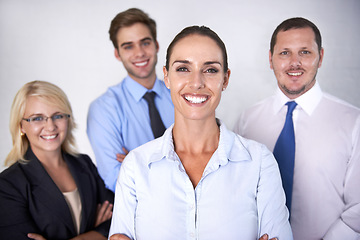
(298, 92)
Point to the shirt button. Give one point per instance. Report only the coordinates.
(192, 235)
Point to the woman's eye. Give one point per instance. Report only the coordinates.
(182, 69)
(57, 116)
(212, 70)
(37, 119)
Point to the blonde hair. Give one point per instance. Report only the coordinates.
(49, 93)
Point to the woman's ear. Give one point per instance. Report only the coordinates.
(22, 131)
(166, 78)
(226, 79)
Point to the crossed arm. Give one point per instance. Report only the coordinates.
(104, 213)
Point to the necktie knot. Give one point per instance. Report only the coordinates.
(291, 106)
(149, 97)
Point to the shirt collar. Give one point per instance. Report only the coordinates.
(307, 101)
(228, 149)
(166, 149)
(137, 90)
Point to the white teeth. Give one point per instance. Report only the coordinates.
(49, 137)
(141, 64)
(295, 74)
(194, 99)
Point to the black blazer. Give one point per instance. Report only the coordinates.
(31, 202)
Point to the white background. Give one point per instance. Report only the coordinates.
(66, 42)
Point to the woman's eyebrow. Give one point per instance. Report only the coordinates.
(181, 61)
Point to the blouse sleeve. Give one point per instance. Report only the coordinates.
(272, 211)
(125, 200)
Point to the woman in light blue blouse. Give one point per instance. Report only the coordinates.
(199, 180)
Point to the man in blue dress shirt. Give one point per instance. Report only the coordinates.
(118, 121)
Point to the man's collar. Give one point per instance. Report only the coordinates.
(137, 90)
(307, 101)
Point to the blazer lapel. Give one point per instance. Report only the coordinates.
(84, 183)
(45, 191)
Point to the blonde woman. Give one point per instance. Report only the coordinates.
(49, 191)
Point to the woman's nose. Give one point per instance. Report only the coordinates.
(197, 81)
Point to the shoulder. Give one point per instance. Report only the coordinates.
(109, 97)
(149, 149)
(145, 154)
(12, 170)
(108, 107)
(266, 103)
(14, 177)
(255, 114)
(337, 103)
(253, 147)
(260, 157)
(241, 147)
(338, 112)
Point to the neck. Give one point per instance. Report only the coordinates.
(147, 83)
(196, 136)
(51, 159)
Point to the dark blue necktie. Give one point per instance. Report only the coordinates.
(157, 126)
(284, 153)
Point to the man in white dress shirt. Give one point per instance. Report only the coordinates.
(325, 193)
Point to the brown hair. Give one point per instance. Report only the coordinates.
(203, 31)
(295, 23)
(128, 18)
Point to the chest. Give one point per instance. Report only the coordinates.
(194, 165)
(224, 199)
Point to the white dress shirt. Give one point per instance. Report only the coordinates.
(238, 197)
(326, 190)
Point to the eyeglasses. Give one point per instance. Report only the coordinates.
(41, 120)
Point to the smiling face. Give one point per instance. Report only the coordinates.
(196, 77)
(137, 50)
(295, 61)
(47, 137)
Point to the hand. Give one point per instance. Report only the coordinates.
(120, 157)
(104, 213)
(35, 236)
(119, 237)
(266, 237)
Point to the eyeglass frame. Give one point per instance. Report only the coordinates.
(32, 121)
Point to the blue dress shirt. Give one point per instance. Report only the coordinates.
(238, 197)
(120, 118)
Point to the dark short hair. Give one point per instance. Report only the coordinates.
(199, 30)
(128, 18)
(295, 23)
